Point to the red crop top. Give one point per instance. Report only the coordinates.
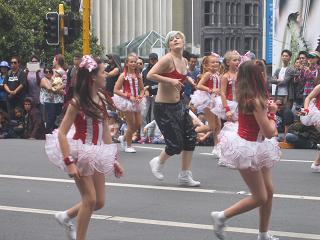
(175, 74)
(249, 128)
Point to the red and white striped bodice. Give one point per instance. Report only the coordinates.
(213, 81)
(88, 130)
(131, 85)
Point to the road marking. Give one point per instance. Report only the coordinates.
(210, 154)
(152, 187)
(281, 160)
(165, 223)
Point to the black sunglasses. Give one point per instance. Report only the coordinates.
(14, 62)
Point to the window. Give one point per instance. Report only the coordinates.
(255, 47)
(208, 45)
(227, 44)
(247, 44)
(217, 46)
(216, 12)
(233, 14)
(237, 43)
(248, 15)
(208, 13)
(256, 15)
(228, 13)
(233, 43)
(239, 15)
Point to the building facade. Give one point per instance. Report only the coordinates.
(228, 25)
(115, 22)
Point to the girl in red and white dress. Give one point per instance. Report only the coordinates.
(208, 89)
(244, 147)
(86, 153)
(310, 116)
(226, 105)
(129, 92)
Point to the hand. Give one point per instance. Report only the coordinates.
(118, 169)
(272, 107)
(146, 93)
(73, 171)
(132, 98)
(229, 116)
(176, 84)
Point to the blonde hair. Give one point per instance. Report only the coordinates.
(172, 34)
(205, 62)
(227, 58)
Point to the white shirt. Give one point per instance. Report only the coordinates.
(282, 89)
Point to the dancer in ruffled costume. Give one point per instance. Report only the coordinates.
(310, 115)
(86, 152)
(226, 105)
(244, 147)
(204, 98)
(129, 93)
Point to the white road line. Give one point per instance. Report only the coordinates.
(165, 223)
(210, 154)
(152, 187)
(281, 160)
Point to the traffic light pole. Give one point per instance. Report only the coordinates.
(61, 16)
(86, 27)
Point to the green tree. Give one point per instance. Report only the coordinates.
(22, 31)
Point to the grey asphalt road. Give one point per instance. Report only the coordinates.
(138, 207)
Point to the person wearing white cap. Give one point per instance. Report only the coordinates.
(4, 68)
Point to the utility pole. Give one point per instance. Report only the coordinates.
(86, 27)
(61, 16)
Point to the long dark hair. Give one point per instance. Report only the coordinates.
(82, 94)
(251, 85)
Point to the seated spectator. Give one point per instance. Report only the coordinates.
(303, 137)
(16, 124)
(114, 126)
(152, 133)
(284, 118)
(34, 126)
(4, 125)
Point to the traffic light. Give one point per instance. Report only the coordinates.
(52, 28)
(73, 26)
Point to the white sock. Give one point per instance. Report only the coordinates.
(65, 215)
(222, 216)
(263, 235)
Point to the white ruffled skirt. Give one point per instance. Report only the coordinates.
(202, 99)
(313, 117)
(124, 104)
(238, 153)
(88, 157)
(219, 110)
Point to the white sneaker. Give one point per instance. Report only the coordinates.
(216, 152)
(315, 168)
(156, 168)
(269, 237)
(185, 179)
(130, 150)
(218, 225)
(67, 224)
(123, 144)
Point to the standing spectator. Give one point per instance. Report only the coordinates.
(151, 89)
(193, 72)
(140, 64)
(15, 85)
(113, 71)
(72, 76)
(33, 124)
(284, 78)
(33, 81)
(46, 94)
(59, 66)
(298, 85)
(309, 73)
(4, 68)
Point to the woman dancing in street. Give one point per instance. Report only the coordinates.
(87, 154)
(244, 147)
(170, 113)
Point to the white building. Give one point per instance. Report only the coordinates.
(117, 21)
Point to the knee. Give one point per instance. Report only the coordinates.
(261, 199)
(270, 192)
(99, 204)
(90, 203)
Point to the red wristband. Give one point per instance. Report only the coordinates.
(128, 96)
(68, 160)
(227, 109)
(306, 110)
